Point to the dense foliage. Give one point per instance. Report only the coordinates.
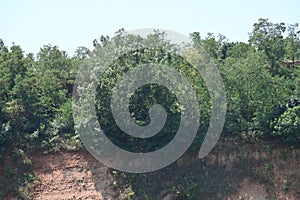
(261, 77)
(261, 80)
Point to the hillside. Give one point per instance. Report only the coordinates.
(231, 171)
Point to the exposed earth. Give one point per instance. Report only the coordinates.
(247, 171)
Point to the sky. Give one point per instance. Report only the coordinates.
(73, 23)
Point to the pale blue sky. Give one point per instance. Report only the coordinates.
(72, 23)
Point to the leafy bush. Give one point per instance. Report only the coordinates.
(234, 123)
(287, 125)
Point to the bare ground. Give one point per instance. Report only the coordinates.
(267, 173)
(71, 175)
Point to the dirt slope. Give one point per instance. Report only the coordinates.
(231, 171)
(71, 175)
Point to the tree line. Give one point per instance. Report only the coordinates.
(262, 90)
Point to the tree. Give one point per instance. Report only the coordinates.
(239, 50)
(82, 52)
(13, 68)
(268, 37)
(293, 43)
(213, 45)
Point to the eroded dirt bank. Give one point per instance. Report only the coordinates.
(71, 175)
(230, 171)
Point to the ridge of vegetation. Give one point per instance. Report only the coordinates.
(263, 94)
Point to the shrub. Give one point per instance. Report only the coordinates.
(287, 125)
